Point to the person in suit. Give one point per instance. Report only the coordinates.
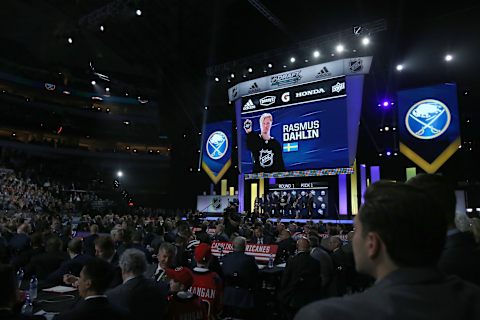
(23, 258)
(141, 296)
(21, 240)
(461, 255)
(407, 280)
(94, 279)
(165, 258)
(260, 237)
(9, 296)
(45, 263)
(286, 246)
(72, 266)
(327, 272)
(301, 281)
(220, 234)
(89, 241)
(241, 274)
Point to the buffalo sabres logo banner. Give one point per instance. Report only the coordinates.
(217, 149)
(429, 125)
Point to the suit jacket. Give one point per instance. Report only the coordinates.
(241, 274)
(286, 249)
(45, 263)
(266, 239)
(94, 309)
(89, 244)
(326, 263)
(19, 242)
(72, 266)
(23, 258)
(461, 257)
(142, 298)
(403, 294)
(301, 281)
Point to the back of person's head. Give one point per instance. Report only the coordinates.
(75, 246)
(94, 229)
(133, 261)
(99, 272)
(314, 241)
(303, 245)
(54, 244)
(239, 244)
(105, 247)
(137, 236)
(8, 289)
(37, 240)
(441, 190)
(203, 254)
(406, 221)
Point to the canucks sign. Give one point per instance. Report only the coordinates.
(429, 131)
(216, 158)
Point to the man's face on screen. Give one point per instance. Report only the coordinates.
(266, 124)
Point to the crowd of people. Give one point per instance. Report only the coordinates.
(405, 258)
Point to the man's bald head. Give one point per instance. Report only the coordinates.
(303, 245)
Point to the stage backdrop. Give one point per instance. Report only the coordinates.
(429, 125)
(217, 149)
(316, 124)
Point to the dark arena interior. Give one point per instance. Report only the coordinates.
(227, 159)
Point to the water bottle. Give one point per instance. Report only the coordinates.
(20, 275)
(270, 261)
(33, 288)
(27, 307)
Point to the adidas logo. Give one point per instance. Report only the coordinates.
(249, 105)
(323, 73)
(253, 88)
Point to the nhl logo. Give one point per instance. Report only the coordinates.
(216, 203)
(266, 158)
(355, 65)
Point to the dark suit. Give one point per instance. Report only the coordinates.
(23, 258)
(19, 242)
(461, 257)
(403, 294)
(241, 273)
(94, 309)
(266, 240)
(141, 296)
(71, 266)
(89, 244)
(343, 270)
(301, 281)
(286, 249)
(45, 263)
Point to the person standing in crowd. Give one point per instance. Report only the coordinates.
(266, 150)
(461, 255)
(286, 246)
(182, 304)
(143, 298)
(301, 281)
(327, 272)
(207, 284)
(407, 281)
(89, 241)
(94, 280)
(220, 234)
(260, 237)
(241, 275)
(165, 257)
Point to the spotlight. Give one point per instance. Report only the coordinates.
(448, 57)
(316, 54)
(93, 82)
(119, 174)
(107, 89)
(217, 79)
(206, 108)
(270, 65)
(232, 75)
(70, 40)
(138, 12)
(388, 153)
(250, 70)
(306, 60)
(340, 48)
(385, 103)
(399, 67)
(387, 128)
(102, 28)
(365, 41)
(292, 59)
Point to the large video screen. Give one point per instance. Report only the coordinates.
(292, 129)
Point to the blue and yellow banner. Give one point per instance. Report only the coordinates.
(217, 149)
(429, 125)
